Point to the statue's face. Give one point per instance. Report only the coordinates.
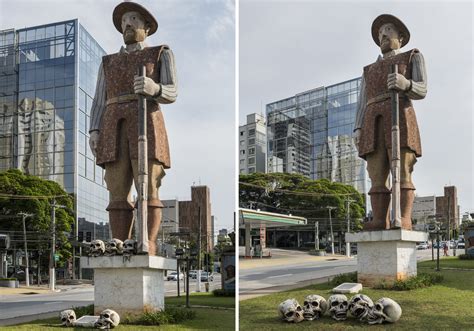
(389, 38)
(134, 27)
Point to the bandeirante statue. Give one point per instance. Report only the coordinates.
(114, 124)
(373, 127)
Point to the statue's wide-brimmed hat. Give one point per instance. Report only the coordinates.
(127, 6)
(387, 18)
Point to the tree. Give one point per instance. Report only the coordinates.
(22, 193)
(293, 193)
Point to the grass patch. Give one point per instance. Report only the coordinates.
(448, 262)
(223, 293)
(419, 281)
(466, 257)
(81, 311)
(202, 299)
(169, 316)
(344, 278)
(443, 306)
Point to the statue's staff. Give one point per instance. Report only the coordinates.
(142, 217)
(396, 212)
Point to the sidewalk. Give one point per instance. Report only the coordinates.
(43, 289)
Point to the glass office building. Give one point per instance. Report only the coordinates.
(311, 134)
(47, 82)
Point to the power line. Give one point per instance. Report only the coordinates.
(29, 197)
(310, 194)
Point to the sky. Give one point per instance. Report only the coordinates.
(201, 123)
(287, 47)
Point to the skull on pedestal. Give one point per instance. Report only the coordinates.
(68, 317)
(314, 307)
(129, 247)
(338, 306)
(385, 310)
(360, 305)
(108, 319)
(97, 248)
(291, 311)
(114, 247)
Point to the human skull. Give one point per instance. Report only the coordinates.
(360, 305)
(385, 310)
(114, 247)
(314, 307)
(129, 247)
(338, 306)
(68, 317)
(291, 311)
(108, 319)
(97, 248)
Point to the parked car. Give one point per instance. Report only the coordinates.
(461, 245)
(193, 274)
(422, 245)
(206, 276)
(174, 276)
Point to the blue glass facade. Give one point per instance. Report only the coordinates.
(47, 81)
(311, 134)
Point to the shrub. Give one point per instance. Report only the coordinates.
(344, 278)
(419, 281)
(466, 257)
(223, 293)
(168, 316)
(82, 311)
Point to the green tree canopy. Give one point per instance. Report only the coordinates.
(21, 193)
(293, 193)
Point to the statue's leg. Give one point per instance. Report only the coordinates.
(378, 167)
(407, 189)
(155, 174)
(118, 177)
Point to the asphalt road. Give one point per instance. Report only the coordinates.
(29, 306)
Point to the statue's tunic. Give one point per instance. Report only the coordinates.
(378, 107)
(122, 105)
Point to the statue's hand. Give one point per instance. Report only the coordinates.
(357, 137)
(397, 82)
(93, 141)
(145, 86)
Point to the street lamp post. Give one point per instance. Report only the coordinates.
(348, 244)
(330, 224)
(27, 266)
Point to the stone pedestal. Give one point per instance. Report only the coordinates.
(129, 285)
(385, 256)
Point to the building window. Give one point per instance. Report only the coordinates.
(251, 132)
(251, 160)
(241, 133)
(252, 170)
(242, 142)
(252, 151)
(242, 152)
(252, 141)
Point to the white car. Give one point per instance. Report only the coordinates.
(174, 276)
(423, 245)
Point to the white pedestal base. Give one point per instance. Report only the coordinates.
(385, 256)
(129, 286)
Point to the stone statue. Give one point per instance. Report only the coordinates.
(373, 120)
(114, 119)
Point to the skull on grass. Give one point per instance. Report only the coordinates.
(314, 307)
(360, 305)
(97, 248)
(68, 317)
(338, 306)
(129, 247)
(108, 319)
(291, 311)
(114, 247)
(385, 310)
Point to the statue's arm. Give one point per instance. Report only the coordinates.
(418, 86)
(361, 105)
(168, 79)
(98, 105)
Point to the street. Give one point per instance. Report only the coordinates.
(13, 306)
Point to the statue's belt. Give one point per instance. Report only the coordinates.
(126, 98)
(383, 97)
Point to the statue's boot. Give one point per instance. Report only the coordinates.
(380, 200)
(407, 196)
(120, 219)
(154, 221)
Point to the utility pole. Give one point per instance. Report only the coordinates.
(198, 277)
(27, 267)
(348, 245)
(52, 272)
(330, 224)
(316, 235)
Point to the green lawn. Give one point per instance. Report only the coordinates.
(447, 262)
(206, 318)
(444, 306)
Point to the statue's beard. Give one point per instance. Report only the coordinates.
(132, 36)
(389, 45)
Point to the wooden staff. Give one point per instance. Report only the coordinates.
(396, 218)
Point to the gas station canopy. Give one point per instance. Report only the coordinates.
(256, 218)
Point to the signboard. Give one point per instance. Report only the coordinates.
(263, 239)
(228, 271)
(56, 257)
